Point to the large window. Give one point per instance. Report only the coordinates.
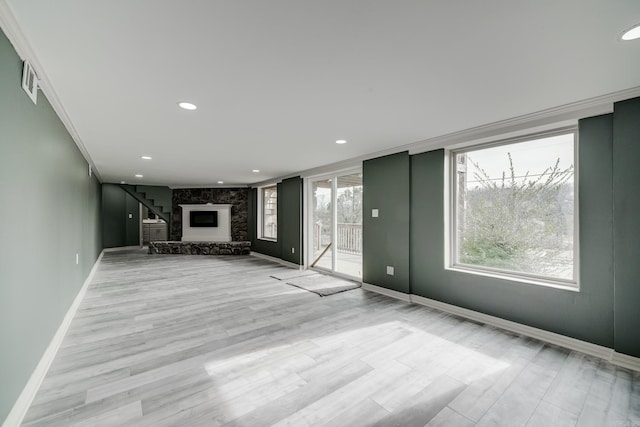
(514, 210)
(269, 213)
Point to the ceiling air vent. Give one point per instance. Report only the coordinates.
(30, 81)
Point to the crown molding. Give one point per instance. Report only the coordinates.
(186, 187)
(540, 120)
(551, 118)
(12, 29)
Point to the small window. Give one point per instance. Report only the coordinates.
(269, 213)
(514, 209)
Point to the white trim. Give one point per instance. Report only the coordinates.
(22, 404)
(549, 117)
(12, 29)
(306, 205)
(388, 292)
(260, 213)
(278, 260)
(121, 248)
(564, 115)
(308, 210)
(513, 277)
(184, 187)
(540, 334)
(591, 349)
(626, 361)
(451, 215)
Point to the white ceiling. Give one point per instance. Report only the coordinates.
(277, 82)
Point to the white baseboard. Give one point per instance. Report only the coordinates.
(540, 334)
(278, 260)
(591, 349)
(388, 292)
(121, 248)
(22, 404)
(626, 361)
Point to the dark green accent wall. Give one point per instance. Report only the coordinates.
(50, 212)
(118, 230)
(290, 212)
(586, 315)
(289, 223)
(386, 238)
(626, 190)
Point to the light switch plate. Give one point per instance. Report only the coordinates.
(374, 213)
(390, 270)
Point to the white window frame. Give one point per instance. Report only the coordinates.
(451, 202)
(261, 206)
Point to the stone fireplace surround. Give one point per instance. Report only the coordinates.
(236, 201)
(238, 198)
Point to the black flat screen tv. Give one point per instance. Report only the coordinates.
(203, 219)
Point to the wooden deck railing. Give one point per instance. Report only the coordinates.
(349, 238)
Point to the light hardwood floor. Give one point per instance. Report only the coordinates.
(164, 340)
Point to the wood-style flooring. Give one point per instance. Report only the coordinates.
(175, 340)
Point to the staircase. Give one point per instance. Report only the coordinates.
(157, 199)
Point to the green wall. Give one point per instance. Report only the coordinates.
(50, 213)
(290, 212)
(386, 238)
(626, 190)
(118, 230)
(289, 223)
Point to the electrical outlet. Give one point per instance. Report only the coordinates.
(293, 250)
(390, 270)
(77, 258)
(130, 216)
(374, 213)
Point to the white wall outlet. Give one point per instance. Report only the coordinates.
(77, 258)
(374, 213)
(293, 250)
(390, 270)
(130, 216)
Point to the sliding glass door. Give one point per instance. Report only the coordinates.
(335, 224)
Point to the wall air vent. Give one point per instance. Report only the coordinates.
(30, 81)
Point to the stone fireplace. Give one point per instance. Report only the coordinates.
(237, 197)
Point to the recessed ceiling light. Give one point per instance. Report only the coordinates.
(632, 33)
(341, 141)
(139, 175)
(256, 171)
(187, 105)
(220, 182)
(146, 158)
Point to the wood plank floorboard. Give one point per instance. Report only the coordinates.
(178, 340)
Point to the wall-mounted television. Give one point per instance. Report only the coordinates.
(203, 219)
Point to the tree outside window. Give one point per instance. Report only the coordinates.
(515, 207)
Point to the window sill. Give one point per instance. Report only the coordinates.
(549, 283)
(267, 239)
